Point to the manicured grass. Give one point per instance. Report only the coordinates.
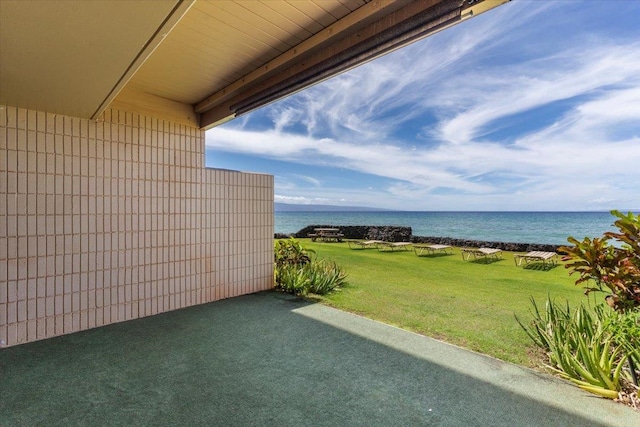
(467, 303)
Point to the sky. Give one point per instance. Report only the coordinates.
(532, 106)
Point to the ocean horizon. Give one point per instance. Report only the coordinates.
(552, 228)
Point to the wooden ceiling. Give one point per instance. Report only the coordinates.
(197, 62)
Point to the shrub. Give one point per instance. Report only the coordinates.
(625, 332)
(293, 279)
(608, 266)
(291, 252)
(325, 276)
(298, 273)
(580, 346)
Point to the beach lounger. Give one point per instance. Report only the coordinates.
(546, 258)
(392, 246)
(359, 244)
(421, 249)
(487, 254)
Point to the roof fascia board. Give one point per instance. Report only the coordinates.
(472, 8)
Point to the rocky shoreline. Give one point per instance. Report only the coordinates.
(404, 234)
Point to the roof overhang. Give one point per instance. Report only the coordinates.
(73, 57)
(198, 62)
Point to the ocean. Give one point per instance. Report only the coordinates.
(551, 228)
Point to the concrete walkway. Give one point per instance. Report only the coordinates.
(272, 359)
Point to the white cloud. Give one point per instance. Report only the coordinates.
(538, 83)
(309, 179)
(300, 200)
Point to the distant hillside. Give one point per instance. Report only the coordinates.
(286, 207)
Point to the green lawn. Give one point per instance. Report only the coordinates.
(466, 303)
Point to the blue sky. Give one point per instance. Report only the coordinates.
(534, 105)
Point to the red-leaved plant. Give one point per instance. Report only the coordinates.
(608, 266)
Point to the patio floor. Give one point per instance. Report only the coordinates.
(272, 359)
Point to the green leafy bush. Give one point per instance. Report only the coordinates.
(608, 266)
(625, 332)
(298, 273)
(325, 276)
(293, 279)
(291, 252)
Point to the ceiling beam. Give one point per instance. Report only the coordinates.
(132, 99)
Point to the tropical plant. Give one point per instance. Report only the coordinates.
(325, 277)
(625, 332)
(293, 279)
(297, 272)
(609, 266)
(291, 252)
(579, 346)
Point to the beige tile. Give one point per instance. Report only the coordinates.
(12, 312)
(49, 306)
(91, 319)
(67, 304)
(50, 327)
(12, 139)
(41, 328)
(32, 330)
(80, 320)
(21, 122)
(11, 185)
(59, 325)
(99, 317)
(21, 333)
(41, 308)
(21, 307)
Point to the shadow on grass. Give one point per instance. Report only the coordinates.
(433, 255)
(486, 260)
(539, 266)
(262, 359)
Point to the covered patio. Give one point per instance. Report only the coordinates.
(273, 359)
(121, 254)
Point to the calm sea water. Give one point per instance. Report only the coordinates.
(518, 227)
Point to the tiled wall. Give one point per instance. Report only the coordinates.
(107, 221)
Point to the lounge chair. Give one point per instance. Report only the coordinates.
(547, 259)
(359, 244)
(421, 249)
(392, 246)
(488, 254)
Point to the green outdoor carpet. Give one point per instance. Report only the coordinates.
(272, 359)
